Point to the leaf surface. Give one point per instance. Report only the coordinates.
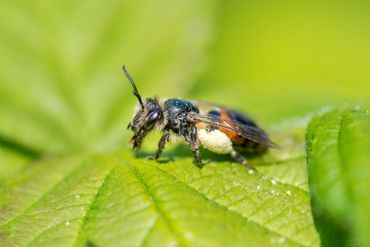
(338, 158)
(121, 200)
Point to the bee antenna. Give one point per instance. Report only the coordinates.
(136, 92)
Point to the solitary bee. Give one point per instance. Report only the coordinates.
(217, 128)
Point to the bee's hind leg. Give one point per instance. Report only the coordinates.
(240, 159)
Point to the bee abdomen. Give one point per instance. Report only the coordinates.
(238, 141)
(250, 146)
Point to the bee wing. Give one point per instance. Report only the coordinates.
(252, 133)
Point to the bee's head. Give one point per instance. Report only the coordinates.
(147, 115)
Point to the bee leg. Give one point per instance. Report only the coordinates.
(162, 142)
(194, 144)
(197, 157)
(240, 159)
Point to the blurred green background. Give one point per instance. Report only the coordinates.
(62, 89)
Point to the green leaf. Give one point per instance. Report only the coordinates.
(11, 162)
(338, 157)
(123, 201)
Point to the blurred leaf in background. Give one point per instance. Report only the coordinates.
(338, 161)
(63, 98)
(62, 89)
(288, 58)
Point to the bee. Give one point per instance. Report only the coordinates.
(216, 128)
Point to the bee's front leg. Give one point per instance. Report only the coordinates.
(194, 145)
(162, 142)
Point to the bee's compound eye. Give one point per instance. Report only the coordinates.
(154, 116)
